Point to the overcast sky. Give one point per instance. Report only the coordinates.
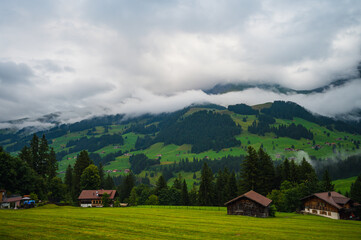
(85, 58)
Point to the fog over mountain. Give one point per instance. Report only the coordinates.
(87, 58)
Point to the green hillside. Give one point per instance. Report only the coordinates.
(343, 185)
(172, 137)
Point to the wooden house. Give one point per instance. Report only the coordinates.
(93, 198)
(249, 204)
(329, 204)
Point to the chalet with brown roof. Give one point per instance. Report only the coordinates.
(329, 204)
(93, 198)
(249, 204)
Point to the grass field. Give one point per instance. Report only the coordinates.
(52, 222)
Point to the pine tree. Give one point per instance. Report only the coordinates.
(69, 179)
(133, 197)
(355, 190)
(306, 169)
(127, 186)
(327, 182)
(52, 164)
(232, 187)
(221, 185)
(26, 156)
(101, 175)
(178, 182)
(250, 171)
(160, 185)
(43, 157)
(34, 149)
(293, 172)
(82, 162)
(286, 170)
(206, 189)
(185, 195)
(109, 183)
(266, 173)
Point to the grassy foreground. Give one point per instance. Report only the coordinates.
(52, 222)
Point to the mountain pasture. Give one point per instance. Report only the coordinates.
(145, 222)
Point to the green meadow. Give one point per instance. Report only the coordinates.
(343, 185)
(53, 222)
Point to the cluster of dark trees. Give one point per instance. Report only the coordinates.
(33, 171)
(139, 162)
(97, 159)
(339, 168)
(142, 129)
(94, 143)
(294, 131)
(243, 109)
(230, 162)
(204, 130)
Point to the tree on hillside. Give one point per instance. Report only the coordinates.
(127, 186)
(160, 185)
(206, 188)
(250, 171)
(266, 173)
(82, 162)
(109, 183)
(327, 182)
(185, 195)
(355, 190)
(52, 164)
(90, 179)
(101, 175)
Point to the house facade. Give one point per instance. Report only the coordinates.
(329, 204)
(93, 198)
(249, 204)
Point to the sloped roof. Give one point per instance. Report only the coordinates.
(12, 199)
(333, 198)
(96, 194)
(252, 195)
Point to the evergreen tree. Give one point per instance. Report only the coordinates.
(355, 190)
(109, 183)
(90, 179)
(57, 190)
(160, 185)
(69, 179)
(26, 156)
(52, 164)
(232, 186)
(206, 189)
(101, 175)
(185, 195)
(327, 182)
(293, 172)
(127, 186)
(43, 157)
(178, 182)
(306, 169)
(34, 149)
(250, 171)
(266, 173)
(286, 170)
(82, 162)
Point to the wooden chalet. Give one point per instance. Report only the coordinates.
(329, 204)
(249, 204)
(93, 198)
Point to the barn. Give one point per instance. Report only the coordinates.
(329, 204)
(249, 204)
(93, 198)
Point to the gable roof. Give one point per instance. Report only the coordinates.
(252, 195)
(12, 199)
(96, 194)
(333, 198)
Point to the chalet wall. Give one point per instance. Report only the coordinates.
(323, 213)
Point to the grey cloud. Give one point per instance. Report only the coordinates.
(100, 57)
(13, 73)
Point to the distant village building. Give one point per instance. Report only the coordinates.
(93, 198)
(329, 204)
(11, 202)
(249, 204)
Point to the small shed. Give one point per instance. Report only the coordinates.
(249, 204)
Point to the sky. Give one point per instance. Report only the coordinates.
(87, 58)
